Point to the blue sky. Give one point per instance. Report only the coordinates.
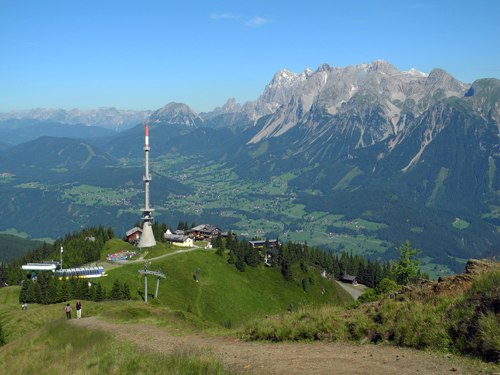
(144, 54)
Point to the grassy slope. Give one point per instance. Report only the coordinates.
(222, 293)
(54, 347)
(465, 323)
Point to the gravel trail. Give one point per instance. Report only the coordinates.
(286, 358)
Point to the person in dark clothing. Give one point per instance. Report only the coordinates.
(78, 307)
(68, 311)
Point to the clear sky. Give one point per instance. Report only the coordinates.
(144, 54)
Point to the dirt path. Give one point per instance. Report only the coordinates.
(287, 358)
(355, 292)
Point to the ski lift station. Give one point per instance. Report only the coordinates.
(88, 272)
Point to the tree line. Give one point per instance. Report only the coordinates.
(49, 289)
(79, 248)
(292, 256)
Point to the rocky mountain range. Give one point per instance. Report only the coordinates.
(106, 117)
(414, 151)
(364, 127)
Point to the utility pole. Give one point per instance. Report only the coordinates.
(61, 256)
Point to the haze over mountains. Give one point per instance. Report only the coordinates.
(359, 130)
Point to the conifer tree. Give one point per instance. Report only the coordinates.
(99, 294)
(111, 232)
(231, 259)
(30, 293)
(93, 293)
(116, 292)
(240, 258)
(38, 293)
(180, 226)
(126, 291)
(336, 271)
(24, 290)
(64, 292)
(76, 288)
(305, 283)
(329, 264)
(87, 291)
(286, 265)
(51, 293)
(408, 263)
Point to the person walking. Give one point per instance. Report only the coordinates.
(68, 311)
(78, 307)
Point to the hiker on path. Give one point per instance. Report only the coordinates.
(68, 311)
(78, 307)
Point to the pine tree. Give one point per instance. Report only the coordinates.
(305, 283)
(42, 280)
(38, 293)
(408, 263)
(329, 265)
(76, 288)
(116, 292)
(111, 232)
(99, 294)
(286, 266)
(64, 292)
(88, 295)
(180, 226)
(93, 293)
(336, 271)
(240, 258)
(30, 293)
(231, 259)
(24, 290)
(126, 291)
(51, 293)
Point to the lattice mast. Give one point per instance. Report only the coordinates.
(147, 237)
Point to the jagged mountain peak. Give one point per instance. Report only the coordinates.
(178, 114)
(230, 107)
(285, 77)
(415, 73)
(358, 92)
(306, 73)
(441, 78)
(323, 68)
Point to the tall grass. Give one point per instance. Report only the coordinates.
(59, 348)
(467, 323)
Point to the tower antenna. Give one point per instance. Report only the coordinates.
(147, 237)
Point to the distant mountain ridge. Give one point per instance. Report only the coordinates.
(106, 117)
(51, 152)
(18, 131)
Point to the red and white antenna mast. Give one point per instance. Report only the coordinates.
(147, 237)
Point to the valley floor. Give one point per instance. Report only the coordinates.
(286, 358)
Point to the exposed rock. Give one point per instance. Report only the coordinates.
(177, 114)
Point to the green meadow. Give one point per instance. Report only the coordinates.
(222, 293)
